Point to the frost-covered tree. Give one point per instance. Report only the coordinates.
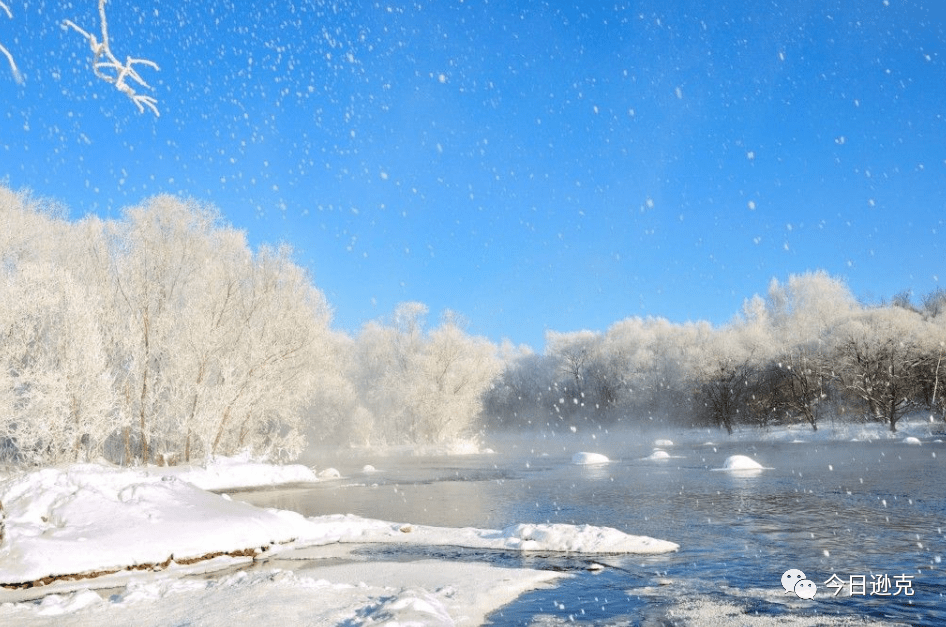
(803, 351)
(272, 371)
(387, 358)
(934, 304)
(879, 356)
(159, 337)
(930, 370)
(55, 381)
(803, 310)
(727, 376)
(460, 367)
(519, 395)
(158, 252)
(576, 357)
(336, 415)
(217, 348)
(798, 378)
(422, 387)
(34, 229)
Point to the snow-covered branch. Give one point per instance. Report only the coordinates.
(108, 68)
(16, 72)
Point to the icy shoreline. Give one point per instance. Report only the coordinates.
(94, 526)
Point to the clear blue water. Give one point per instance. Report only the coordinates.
(843, 508)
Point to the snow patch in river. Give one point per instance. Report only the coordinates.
(741, 463)
(584, 459)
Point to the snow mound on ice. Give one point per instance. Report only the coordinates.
(580, 539)
(912, 441)
(584, 459)
(663, 443)
(737, 463)
(658, 455)
(330, 473)
(368, 468)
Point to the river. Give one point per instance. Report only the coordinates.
(862, 511)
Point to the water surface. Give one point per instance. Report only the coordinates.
(827, 508)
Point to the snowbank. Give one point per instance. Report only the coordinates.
(92, 520)
(584, 459)
(241, 471)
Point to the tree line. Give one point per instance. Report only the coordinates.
(806, 351)
(161, 337)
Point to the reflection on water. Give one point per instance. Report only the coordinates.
(846, 508)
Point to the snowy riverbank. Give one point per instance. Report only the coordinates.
(93, 526)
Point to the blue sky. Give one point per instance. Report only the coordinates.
(528, 165)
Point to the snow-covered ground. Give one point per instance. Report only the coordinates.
(70, 530)
(409, 593)
(94, 544)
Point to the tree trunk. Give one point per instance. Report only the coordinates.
(936, 387)
(127, 434)
(141, 419)
(892, 410)
(223, 424)
(144, 391)
(73, 404)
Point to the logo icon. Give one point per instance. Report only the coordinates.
(793, 580)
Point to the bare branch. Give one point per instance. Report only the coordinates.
(107, 67)
(16, 72)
